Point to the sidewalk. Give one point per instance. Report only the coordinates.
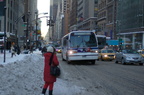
(9, 59)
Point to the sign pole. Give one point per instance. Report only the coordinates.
(5, 33)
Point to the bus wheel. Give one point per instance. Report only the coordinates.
(67, 60)
(93, 62)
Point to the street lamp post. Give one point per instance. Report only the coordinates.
(5, 33)
(119, 36)
(27, 18)
(36, 28)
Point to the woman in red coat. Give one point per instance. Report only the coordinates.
(48, 78)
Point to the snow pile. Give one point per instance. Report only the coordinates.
(23, 75)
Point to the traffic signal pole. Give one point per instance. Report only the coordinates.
(5, 33)
(36, 30)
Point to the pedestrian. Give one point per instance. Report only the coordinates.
(18, 50)
(21, 48)
(13, 50)
(48, 78)
(31, 48)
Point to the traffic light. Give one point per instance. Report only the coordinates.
(23, 18)
(48, 22)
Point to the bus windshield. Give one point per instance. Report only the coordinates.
(83, 40)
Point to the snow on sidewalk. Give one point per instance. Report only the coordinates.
(23, 75)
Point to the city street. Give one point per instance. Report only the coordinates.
(106, 77)
(25, 77)
(80, 30)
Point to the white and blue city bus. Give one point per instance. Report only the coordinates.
(79, 46)
(101, 41)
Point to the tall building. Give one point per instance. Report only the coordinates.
(31, 13)
(11, 22)
(87, 14)
(130, 23)
(101, 21)
(53, 14)
(15, 26)
(107, 11)
(59, 22)
(73, 15)
(111, 19)
(66, 10)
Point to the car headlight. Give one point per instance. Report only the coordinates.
(105, 55)
(114, 56)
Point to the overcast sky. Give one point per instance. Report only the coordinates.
(43, 6)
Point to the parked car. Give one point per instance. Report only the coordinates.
(58, 49)
(106, 54)
(129, 56)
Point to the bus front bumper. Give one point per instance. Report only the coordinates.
(82, 57)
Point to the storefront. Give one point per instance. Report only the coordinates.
(133, 40)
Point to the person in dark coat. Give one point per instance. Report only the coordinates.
(48, 78)
(31, 48)
(18, 50)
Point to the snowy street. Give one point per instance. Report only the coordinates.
(23, 75)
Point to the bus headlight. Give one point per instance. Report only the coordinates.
(70, 52)
(96, 51)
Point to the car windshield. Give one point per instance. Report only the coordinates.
(107, 51)
(130, 51)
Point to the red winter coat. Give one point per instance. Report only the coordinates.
(47, 76)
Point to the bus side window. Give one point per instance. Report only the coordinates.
(65, 41)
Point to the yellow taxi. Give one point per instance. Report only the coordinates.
(142, 53)
(58, 49)
(106, 54)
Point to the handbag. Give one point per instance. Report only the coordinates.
(54, 70)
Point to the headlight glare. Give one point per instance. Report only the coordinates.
(105, 55)
(70, 52)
